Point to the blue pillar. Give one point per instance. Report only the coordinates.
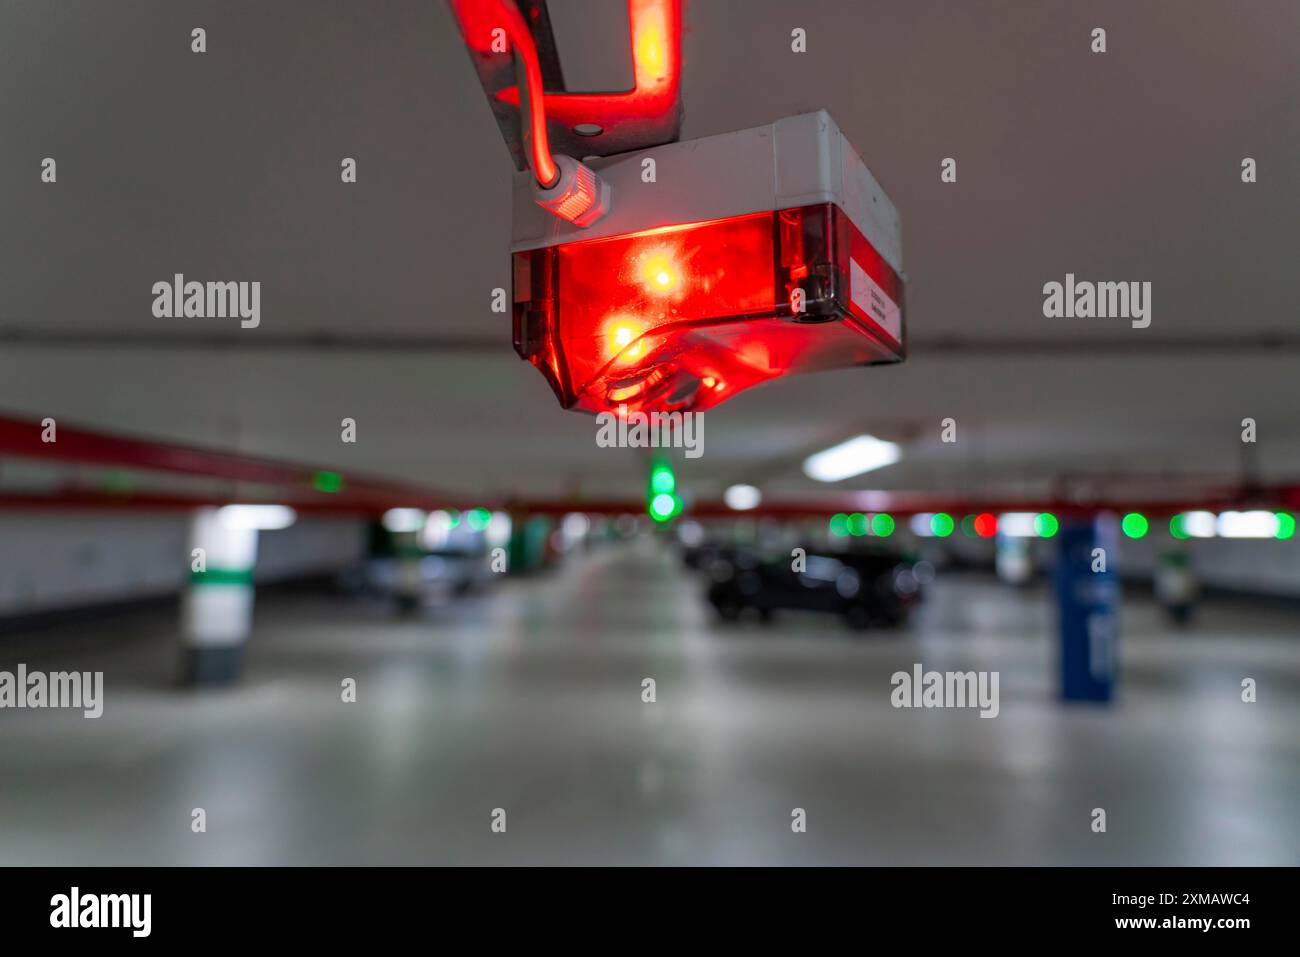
(1087, 600)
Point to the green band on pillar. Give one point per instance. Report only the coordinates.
(223, 576)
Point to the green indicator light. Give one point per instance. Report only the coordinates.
(1285, 525)
(882, 525)
(839, 524)
(662, 500)
(1177, 527)
(1135, 525)
(327, 481)
(454, 516)
(1046, 525)
(662, 507)
(479, 519)
(223, 576)
(117, 482)
(968, 526)
(662, 479)
(857, 524)
(941, 524)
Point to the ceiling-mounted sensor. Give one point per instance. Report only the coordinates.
(653, 275)
(751, 255)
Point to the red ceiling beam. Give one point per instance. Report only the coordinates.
(76, 500)
(22, 438)
(72, 498)
(293, 484)
(903, 505)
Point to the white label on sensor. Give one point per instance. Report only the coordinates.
(871, 299)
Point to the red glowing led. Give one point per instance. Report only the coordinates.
(683, 317)
(986, 525)
(659, 272)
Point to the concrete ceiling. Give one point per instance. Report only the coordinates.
(1122, 166)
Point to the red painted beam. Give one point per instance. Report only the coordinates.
(73, 498)
(93, 500)
(293, 485)
(22, 438)
(904, 505)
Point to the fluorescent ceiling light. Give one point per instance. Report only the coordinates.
(575, 525)
(404, 519)
(1018, 524)
(1199, 524)
(920, 524)
(436, 531)
(498, 530)
(265, 517)
(862, 454)
(1248, 524)
(742, 497)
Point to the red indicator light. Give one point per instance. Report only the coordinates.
(683, 317)
(986, 525)
(623, 338)
(659, 272)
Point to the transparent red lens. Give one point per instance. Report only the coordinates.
(685, 317)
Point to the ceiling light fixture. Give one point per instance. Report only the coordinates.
(864, 453)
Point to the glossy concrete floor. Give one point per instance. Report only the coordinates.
(529, 699)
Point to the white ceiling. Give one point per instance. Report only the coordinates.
(1119, 166)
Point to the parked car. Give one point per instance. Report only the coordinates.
(875, 588)
(699, 557)
(436, 578)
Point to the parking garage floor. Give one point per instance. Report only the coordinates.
(529, 699)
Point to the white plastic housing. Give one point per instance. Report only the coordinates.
(796, 161)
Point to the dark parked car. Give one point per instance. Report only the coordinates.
(865, 588)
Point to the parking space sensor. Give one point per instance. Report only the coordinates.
(745, 257)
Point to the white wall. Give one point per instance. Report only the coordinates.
(61, 560)
(1257, 566)
(1264, 566)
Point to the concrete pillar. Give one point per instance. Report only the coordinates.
(217, 608)
(527, 548)
(1176, 586)
(1014, 561)
(409, 584)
